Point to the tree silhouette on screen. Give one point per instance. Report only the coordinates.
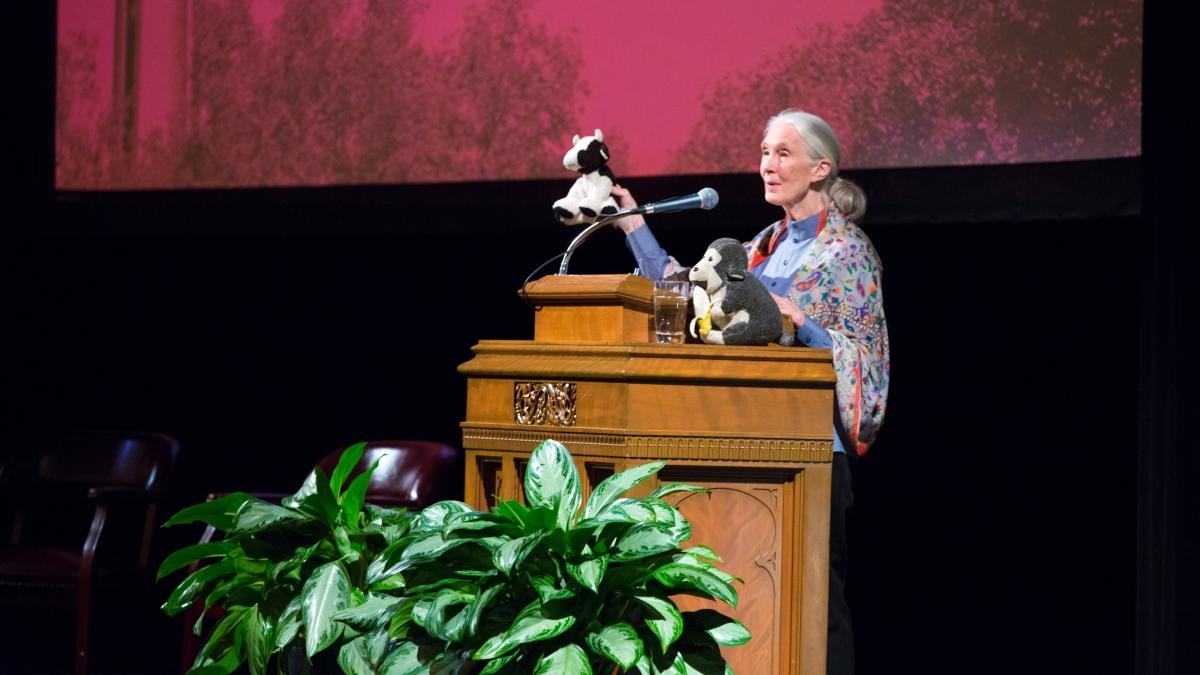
(343, 92)
(331, 94)
(945, 82)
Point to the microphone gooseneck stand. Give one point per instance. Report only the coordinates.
(577, 241)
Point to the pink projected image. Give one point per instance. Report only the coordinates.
(224, 93)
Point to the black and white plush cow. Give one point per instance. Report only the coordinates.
(591, 195)
(732, 306)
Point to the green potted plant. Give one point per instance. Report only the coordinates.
(281, 571)
(545, 587)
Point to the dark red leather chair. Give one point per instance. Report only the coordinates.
(411, 474)
(52, 555)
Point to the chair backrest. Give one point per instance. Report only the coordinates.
(46, 492)
(95, 458)
(413, 474)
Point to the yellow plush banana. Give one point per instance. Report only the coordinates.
(704, 323)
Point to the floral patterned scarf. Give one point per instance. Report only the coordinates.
(837, 284)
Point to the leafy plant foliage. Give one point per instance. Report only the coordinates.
(538, 588)
(545, 588)
(282, 571)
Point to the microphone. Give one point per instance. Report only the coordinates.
(705, 199)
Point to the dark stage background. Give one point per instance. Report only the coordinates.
(996, 510)
(996, 523)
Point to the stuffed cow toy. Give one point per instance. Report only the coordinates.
(591, 195)
(732, 306)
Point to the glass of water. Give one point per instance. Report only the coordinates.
(670, 310)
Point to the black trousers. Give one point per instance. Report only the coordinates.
(839, 658)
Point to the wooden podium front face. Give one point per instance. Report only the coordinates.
(753, 424)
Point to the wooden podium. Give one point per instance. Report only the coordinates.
(754, 424)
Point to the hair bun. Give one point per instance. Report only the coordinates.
(848, 198)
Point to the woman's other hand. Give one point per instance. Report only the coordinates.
(626, 201)
(789, 309)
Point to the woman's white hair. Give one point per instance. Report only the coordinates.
(822, 143)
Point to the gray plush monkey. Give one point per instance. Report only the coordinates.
(732, 306)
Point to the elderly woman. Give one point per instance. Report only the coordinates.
(824, 274)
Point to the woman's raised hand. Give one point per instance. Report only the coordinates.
(626, 201)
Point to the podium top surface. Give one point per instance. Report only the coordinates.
(626, 290)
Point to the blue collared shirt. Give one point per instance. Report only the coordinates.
(777, 272)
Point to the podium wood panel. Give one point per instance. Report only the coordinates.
(751, 423)
(592, 307)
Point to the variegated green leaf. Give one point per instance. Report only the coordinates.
(377, 645)
(370, 615)
(619, 642)
(381, 515)
(589, 573)
(420, 611)
(702, 551)
(496, 664)
(663, 512)
(452, 581)
(493, 648)
(552, 482)
(401, 618)
(723, 630)
(670, 516)
(478, 606)
(403, 661)
(325, 593)
(645, 666)
(547, 589)
(424, 548)
(618, 484)
(568, 660)
(436, 623)
(681, 529)
(385, 564)
(434, 515)
(626, 510)
(699, 563)
(685, 577)
(255, 515)
(288, 625)
(354, 658)
(531, 625)
(668, 625)
(474, 522)
(456, 628)
(671, 488)
(644, 540)
(512, 553)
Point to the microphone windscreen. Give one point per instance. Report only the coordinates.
(708, 198)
